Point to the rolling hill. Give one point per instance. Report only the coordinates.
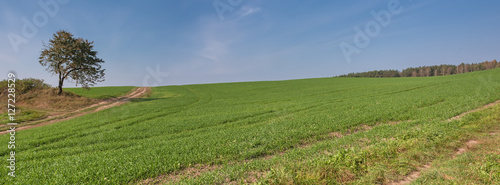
(327, 130)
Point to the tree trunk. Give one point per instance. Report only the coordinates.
(60, 89)
(61, 81)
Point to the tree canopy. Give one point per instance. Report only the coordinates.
(72, 58)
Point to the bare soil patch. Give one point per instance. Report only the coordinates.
(412, 176)
(175, 176)
(467, 146)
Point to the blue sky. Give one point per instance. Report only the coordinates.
(148, 43)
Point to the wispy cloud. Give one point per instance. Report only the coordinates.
(214, 50)
(217, 37)
(247, 10)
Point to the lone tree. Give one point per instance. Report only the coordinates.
(73, 58)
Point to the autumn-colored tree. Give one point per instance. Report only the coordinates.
(490, 64)
(449, 71)
(467, 68)
(460, 68)
(427, 71)
(72, 58)
(414, 74)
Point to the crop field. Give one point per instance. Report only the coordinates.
(326, 131)
(101, 92)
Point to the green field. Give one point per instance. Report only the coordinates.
(270, 132)
(101, 92)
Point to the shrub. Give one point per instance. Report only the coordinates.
(24, 85)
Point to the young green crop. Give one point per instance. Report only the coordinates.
(101, 92)
(220, 124)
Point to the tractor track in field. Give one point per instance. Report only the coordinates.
(475, 110)
(102, 105)
(199, 169)
(469, 144)
(416, 174)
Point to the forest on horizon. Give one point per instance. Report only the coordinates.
(425, 71)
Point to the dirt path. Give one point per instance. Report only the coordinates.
(105, 104)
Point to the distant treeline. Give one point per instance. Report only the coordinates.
(437, 70)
